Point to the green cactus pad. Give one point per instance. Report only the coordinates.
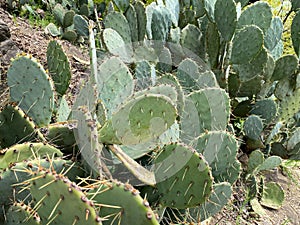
(87, 97)
(70, 35)
(212, 42)
(121, 204)
(166, 90)
(190, 38)
(295, 5)
(270, 163)
(20, 152)
(61, 135)
(294, 140)
(59, 13)
(256, 67)
(164, 64)
(59, 201)
(289, 106)
(68, 18)
(52, 29)
(253, 16)
(116, 45)
(172, 80)
(295, 29)
(256, 158)
(209, 6)
(122, 5)
(225, 18)
(101, 113)
(141, 119)
(272, 195)
(183, 177)
(143, 74)
(284, 88)
(63, 110)
(131, 17)
(266, 109)
(20, 213)
(219, 149)
(86, 136)
(58, 66)
(285, 67)
(136, 151)
(257, 162)
(173, 6)
(81, 25)
(207, 109)
(217, 200)
(160, 23)
(15, 127)
(141, 19)
(253, 126)
(193, 77)
(16, 174)
(247, 43)
(273, 34)
(118, 22)
(36, 102)
(278, 50)
(115, 84)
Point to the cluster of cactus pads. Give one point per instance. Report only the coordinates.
(153, 130)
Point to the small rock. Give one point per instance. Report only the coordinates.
(8, 50)
(4, 32)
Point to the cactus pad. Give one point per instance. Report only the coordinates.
(219, 149)
(58, 66)
(295, 29)
(217, 200)
(247, 43)
(20, 152)
(207, 109)
(225, 18)
(252, 15)
(15, 127)
(141, 119)
(183, 177)
(121, 204)
(36, 102)
(115, 84)
(118, 22)
(59, 201)
(20, 213)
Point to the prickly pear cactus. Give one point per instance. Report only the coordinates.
(20, 152)
(53, 193)
(183, 177)
(58, 66)
(126, 207)
(20, 213)
(141, 119)
(38, 103)
(16, 127)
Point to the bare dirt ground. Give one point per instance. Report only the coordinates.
(33, 40)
